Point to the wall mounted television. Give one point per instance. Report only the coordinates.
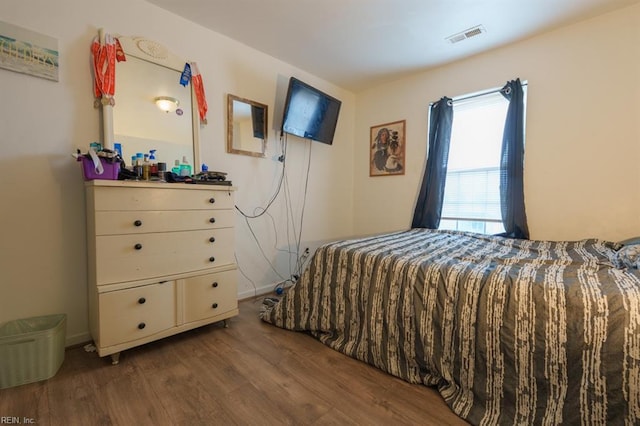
(310, 113)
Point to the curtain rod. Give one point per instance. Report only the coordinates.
(477, 94)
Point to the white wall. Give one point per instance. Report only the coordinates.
(582, 173)
(43, 246)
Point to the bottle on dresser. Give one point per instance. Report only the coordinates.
(145, 167)
(185, 167)
(137, 167)
(153, 165)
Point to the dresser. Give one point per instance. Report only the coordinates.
(160, 260)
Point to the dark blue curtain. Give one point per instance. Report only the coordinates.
(429, 205)
(514, 217)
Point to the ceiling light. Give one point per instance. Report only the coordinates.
(167, 103)
(468, 33)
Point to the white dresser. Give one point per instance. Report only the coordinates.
(161, 260)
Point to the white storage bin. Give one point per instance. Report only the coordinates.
(31, 349)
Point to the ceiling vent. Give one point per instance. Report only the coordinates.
(471, 32)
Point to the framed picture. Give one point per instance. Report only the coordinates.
(387, 149)
(28, 52)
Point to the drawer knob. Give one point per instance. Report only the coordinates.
(212, 239)
(214, 285)
(138, 223)
(214, 306)
(138, 246)
(212, 220)
(142, 300)
(212, 200)
(212, 259)
(141, 325)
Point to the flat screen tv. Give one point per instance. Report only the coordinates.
(310, 113)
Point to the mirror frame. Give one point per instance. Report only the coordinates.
(230, 149)
(155, 53)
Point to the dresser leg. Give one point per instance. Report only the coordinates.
(115, 358)
(225, 323)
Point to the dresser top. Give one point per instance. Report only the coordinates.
(156, 185)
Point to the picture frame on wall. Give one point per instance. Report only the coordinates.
(28, 52)
(387, 147)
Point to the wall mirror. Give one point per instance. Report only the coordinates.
(246, 126)
(152, 110)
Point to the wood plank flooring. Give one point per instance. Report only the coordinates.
(251, 373)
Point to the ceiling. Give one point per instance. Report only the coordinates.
(357, 44)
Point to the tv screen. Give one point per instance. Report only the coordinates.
(310, 113)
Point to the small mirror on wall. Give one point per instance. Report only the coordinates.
(246, 126)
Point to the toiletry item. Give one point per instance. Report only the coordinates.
(117, 147)
(145, 167)
(162, 171)
(138, 166)
(176, 168)
(185, 167)
(153, 166)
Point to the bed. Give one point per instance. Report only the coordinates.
(509, 331)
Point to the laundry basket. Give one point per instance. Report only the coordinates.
(31, 349)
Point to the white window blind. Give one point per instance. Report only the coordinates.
(472, 189)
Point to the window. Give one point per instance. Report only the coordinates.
(472, 188)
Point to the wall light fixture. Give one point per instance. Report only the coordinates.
(167, 103)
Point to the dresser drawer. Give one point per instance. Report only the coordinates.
(121, 258)
(131, 222)
(135, 313)
(210, 295)
(162, 198)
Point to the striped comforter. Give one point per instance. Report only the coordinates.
(510, 331)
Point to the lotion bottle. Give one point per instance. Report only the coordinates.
(185, 167)
(176, 167)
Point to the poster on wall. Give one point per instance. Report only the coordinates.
(387, 149)
(28, 52)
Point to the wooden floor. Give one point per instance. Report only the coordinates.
(251, 373)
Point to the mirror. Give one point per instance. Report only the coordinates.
(139, 124)
(246, 127)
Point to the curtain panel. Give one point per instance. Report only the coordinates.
(514, 217)
(428, 208)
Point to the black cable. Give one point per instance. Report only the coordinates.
(297, 270)
(304, 204)
(255, 288)
(275, 195)
(260, 248)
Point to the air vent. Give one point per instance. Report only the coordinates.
(468, 33)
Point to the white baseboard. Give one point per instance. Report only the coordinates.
(258, 291)
(77, 339)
